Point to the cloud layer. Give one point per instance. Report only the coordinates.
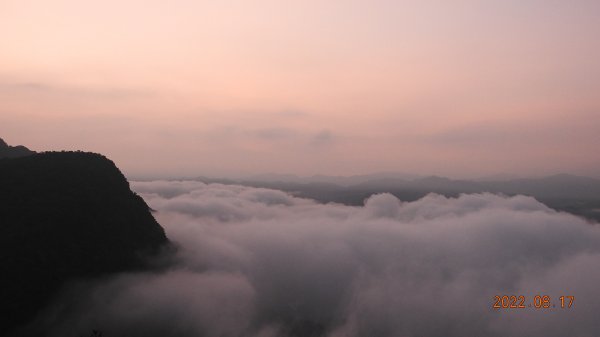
(259, 262)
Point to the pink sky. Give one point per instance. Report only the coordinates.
(458, 88)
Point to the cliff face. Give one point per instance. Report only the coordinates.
(63, 216)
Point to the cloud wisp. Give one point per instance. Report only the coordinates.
(259, 262)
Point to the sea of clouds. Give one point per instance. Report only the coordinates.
(260, 262)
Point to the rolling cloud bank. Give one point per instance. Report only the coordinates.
(260, 262)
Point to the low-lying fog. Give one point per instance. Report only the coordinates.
(259, 262)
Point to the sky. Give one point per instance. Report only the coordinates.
(223, 88)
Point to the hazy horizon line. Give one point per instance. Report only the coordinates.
(408, 176)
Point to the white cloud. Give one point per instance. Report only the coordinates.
(259, 262)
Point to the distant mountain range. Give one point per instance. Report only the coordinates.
(338, 180)
(570, 193)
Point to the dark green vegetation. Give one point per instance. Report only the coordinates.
(66, 216)
(563, 192)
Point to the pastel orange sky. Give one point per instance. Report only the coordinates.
(181, 87)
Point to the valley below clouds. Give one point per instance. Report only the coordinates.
(261, 262)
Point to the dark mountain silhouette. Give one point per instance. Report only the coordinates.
(326, 179)
(66, 216)
(7, 151)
